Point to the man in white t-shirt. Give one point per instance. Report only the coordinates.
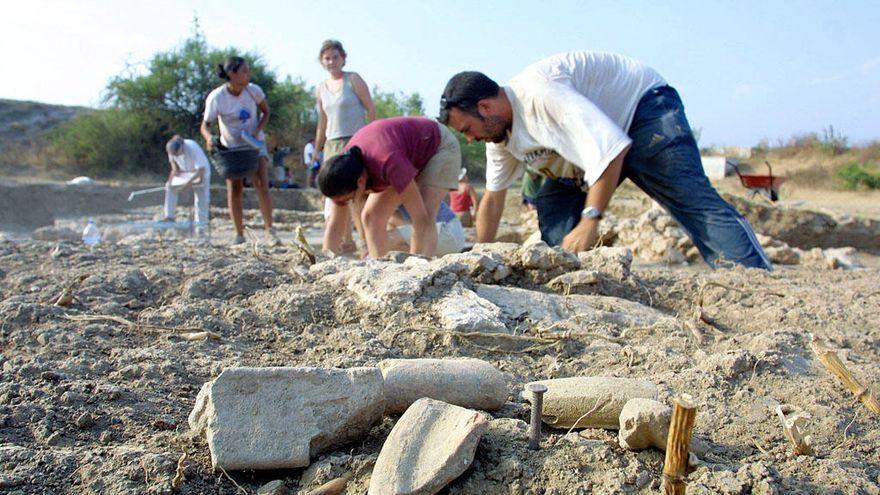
(189, 167)
(588, 120)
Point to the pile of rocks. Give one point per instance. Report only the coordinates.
(655, 236)
(283, 417)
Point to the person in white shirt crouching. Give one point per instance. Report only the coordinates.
(189, 168)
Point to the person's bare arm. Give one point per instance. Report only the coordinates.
(585, 234)
(357, 210)
(173, 171)
(474, 200)
(205, 130)
(264, 116)
(489, 215)
(363, 93)
(424, 238)
(321, 129)
(334, 231)
(199, 175)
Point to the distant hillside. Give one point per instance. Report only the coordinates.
(22, 122)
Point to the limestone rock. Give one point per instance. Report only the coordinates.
(568, 399)
(576, 281)
(275, 487)
(644, 423)
(507, 251)
(540, 256)
(432, 444)
(729, 364)
(276, 418)
(544, 308)
(471, 383)
(382, 284)
(461, 309)
(482, 267)
(614, 261)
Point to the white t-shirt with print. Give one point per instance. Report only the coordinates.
(235, 113)
(192, 158)
(571, 113)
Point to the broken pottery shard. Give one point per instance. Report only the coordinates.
(597, 400)
(275, 418)
(431, 445)
(644, 423)
(472, 383)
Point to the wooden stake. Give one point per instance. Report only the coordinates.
(832, 363)
(684, 412)
(794, 433)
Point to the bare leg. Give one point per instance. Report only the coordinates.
(234, 191)
(261, 184)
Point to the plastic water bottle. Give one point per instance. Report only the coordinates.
(91, 234)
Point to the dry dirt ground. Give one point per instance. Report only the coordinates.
(94, 404)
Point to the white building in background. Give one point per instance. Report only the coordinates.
(740, 152)
(718, 167)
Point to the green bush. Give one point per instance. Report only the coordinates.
(856, 176)
(145, 108)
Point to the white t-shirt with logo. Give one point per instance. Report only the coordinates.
(192, 158)
(235, 113)
(571, 113)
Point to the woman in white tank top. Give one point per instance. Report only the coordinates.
(344, 106)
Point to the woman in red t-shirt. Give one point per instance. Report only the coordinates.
(409, 161)
(463, 199)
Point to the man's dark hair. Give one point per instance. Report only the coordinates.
(339, 175)
(464, 91)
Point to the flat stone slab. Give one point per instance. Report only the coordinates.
(540, 307)
(471, 383)
(432, 444)
(275, 418)
(592, 402)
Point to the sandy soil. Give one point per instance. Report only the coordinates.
(93, 405)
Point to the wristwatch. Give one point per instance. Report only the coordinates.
(592, 212)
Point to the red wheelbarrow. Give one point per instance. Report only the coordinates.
(765, 185)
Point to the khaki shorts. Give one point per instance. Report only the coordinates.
(443, 168)
(334, 147)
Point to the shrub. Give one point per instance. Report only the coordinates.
(856, 176)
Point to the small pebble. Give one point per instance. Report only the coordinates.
(275, 487)
(85, 420)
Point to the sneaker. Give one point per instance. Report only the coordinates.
(272, 238)
(239, 239)
(252, 141)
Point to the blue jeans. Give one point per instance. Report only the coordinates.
(664, 161)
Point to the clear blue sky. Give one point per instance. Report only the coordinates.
(746, 70)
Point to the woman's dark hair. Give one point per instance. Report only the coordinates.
(332, 45)
(464, 91)
(339, 175)
(232, 64)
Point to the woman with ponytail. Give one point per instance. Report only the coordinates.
(409, 161)
(235, 105)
